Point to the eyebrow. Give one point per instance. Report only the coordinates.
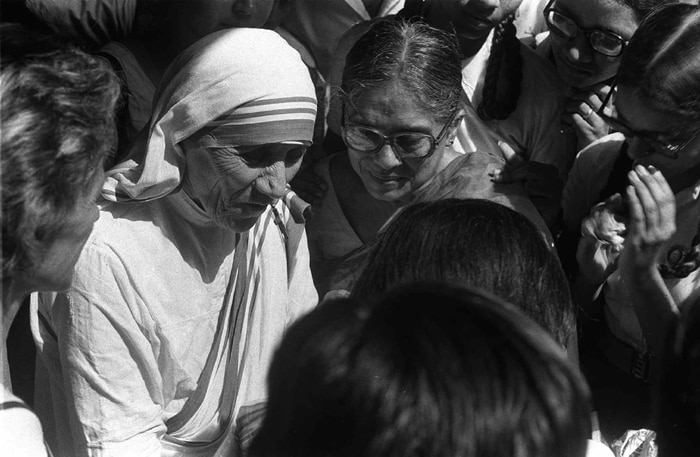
(403, 128)
(572, 16)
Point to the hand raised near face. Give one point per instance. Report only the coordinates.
(582, 110)
(652, 220)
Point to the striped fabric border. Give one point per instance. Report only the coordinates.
(262, 111)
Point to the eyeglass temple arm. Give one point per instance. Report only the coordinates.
(608, 97)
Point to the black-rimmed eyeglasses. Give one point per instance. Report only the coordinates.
(407, 145)
(602, 41)
(665, 148)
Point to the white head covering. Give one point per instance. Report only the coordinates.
(247, 83)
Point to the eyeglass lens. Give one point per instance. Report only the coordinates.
(667, 149)
(601, 41)
(407, 144)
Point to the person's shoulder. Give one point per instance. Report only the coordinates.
(476, 160)
(539, 71)
(20, 429)
(466, 176)
(91, 23)
(602, 151)
(598, 449)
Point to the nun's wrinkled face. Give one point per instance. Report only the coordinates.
(234, 185)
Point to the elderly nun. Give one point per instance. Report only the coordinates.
(195, 268)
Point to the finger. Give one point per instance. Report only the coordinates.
(589, 98)
(581, 123)
(615, 201)
(636, 225)
(649, 206)
(593, 127)
(509, 153)
(601, 90)
(665, 201)
(576, 106)
(511, 173)
(659, 187)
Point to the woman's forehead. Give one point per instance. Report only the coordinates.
(612, 15)
(390, 101)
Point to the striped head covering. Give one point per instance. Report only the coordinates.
(248, 85)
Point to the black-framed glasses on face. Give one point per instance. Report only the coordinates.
(406, 145)
(602, 41)
(665, 148)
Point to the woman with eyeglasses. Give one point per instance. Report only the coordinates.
(585, 43)
(639, 250)
(401, 107)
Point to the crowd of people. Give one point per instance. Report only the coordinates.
(350, 228)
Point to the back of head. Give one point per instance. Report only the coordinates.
(677, 396)
(428, 369)
(642, 8)
(57, 106)
(662, 61)
(423, 59)
(476, 243)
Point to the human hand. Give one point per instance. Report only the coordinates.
(652, 221)
(582, 110)
(541, 182)
(309, 186)
(602, 239)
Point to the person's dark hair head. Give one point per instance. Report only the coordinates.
(662, 61)
(477, 243)
(676, 399)
(642, 8)
(424, 60)
(428, 369)
(57, 110)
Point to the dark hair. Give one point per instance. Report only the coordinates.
(676, 399)
(426, 370)
(662, 61)
(505, 64)
(477, 243)
(503, 78)
(57, 109)
(642, 8)
(425, 60)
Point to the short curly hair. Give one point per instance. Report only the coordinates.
(57, 108)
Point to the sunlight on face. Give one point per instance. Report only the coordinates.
(643, 116)
(577, 63)
(235, 185)
(392, 109)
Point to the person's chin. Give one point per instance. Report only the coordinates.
(388, 193)
(473, 33)
(577, 77)
(240, 221)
